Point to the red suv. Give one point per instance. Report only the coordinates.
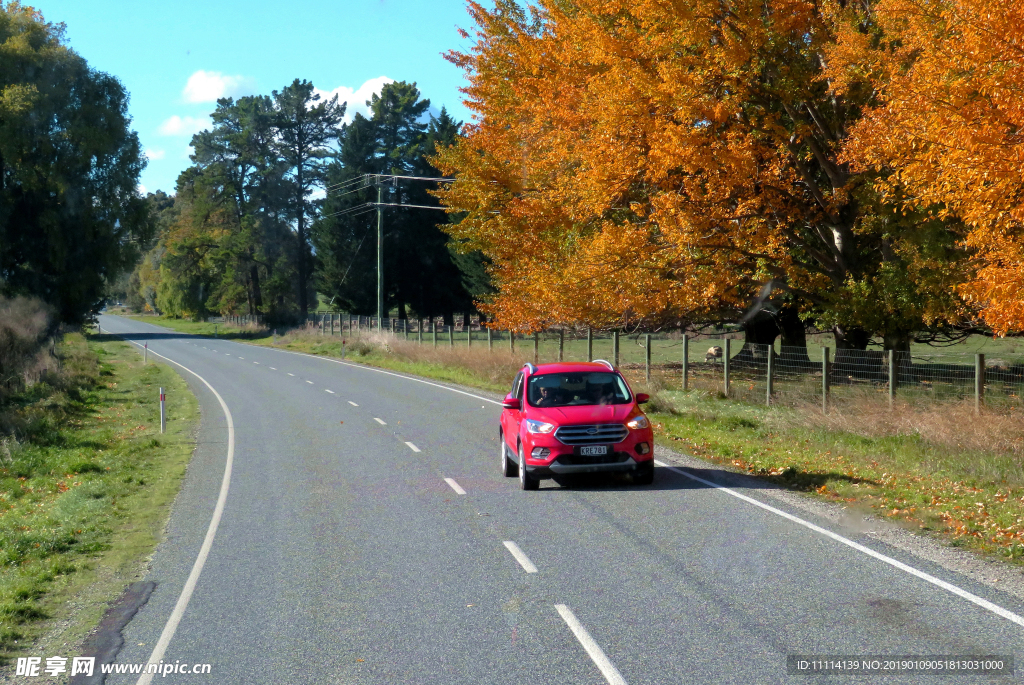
(561, 419)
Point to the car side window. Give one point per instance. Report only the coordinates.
(519, 390)
(516, 385)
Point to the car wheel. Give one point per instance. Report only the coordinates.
(644, 474)
(508, 467)
(526, 481)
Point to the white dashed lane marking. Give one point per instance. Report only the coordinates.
(330, 391)
(523, 560)
(353, 403)
(604, 664)
(379, 421)
(455, 486)
(413, 447)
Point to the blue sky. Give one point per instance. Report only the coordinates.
(175, 59)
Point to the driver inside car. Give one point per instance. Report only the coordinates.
(550, 395)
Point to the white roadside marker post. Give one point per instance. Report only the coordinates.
(163, 412)
(145, 354)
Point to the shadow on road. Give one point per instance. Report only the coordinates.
(666, 479)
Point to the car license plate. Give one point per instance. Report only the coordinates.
(593, 450)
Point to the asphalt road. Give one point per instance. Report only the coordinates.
(344, 556)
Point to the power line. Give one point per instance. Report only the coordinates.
(392, 204)
(368, 178)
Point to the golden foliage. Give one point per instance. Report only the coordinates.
(948, 125)
(647, 160)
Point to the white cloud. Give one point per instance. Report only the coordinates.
(184, 126)
(155, 154)
(357, 97)
(209, 86)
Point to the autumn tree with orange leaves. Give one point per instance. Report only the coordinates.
(947, 127)
(639, 162)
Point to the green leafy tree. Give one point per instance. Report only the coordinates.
(70, 217)
(420, 271)
(307, 131)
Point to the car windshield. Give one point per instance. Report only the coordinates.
(576, 389)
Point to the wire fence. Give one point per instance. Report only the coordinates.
(726, 365)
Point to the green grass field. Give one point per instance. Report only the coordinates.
(86, 485)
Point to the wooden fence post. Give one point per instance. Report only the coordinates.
(725, 365)
(979, 382)
(686, 362)
(647, 365)
(892, 377)
(826, 370)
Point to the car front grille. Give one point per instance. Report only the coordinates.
(600, 434)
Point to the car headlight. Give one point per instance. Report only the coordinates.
(539, 426)
(639, 422)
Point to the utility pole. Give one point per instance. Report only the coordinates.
(380, 255)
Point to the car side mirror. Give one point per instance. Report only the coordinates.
(510, 402)
(642, 397)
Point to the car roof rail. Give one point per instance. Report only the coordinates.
(531, 368)
(605, 362)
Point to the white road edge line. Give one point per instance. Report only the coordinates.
(927, 577)
(413, 447)
(330, 391)
(211, 532)
(608, 670)
(381, 422)
(455, 486)
(353, 403)
(523, 560)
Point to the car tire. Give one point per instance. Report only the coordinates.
(644, 474)
(526, 481)
(509, 468)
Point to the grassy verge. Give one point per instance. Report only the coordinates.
(86, 482)
(967, 495)
(938, 469)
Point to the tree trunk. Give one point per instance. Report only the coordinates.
(853, 360)
(896, 341)
(851, 338)
(257, 293)
(793, 352)
(401, 311)
(758, 332)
